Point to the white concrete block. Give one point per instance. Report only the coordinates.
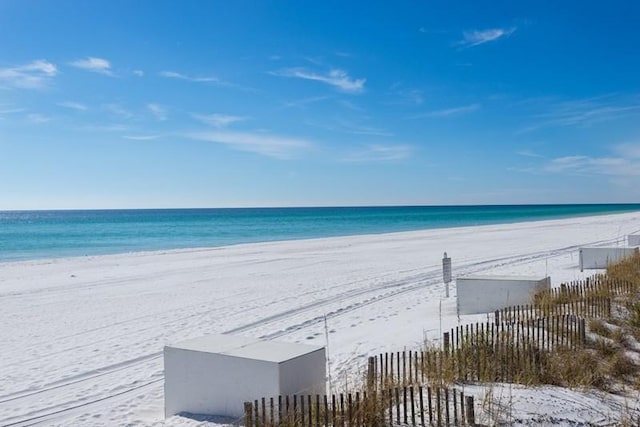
(484, 294)
(633, 240)
(601, 257)
(216, 374)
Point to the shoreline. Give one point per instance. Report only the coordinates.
(170, 251)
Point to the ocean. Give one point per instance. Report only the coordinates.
(26, 235)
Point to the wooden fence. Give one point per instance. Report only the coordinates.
(480, 352)
(411, 406)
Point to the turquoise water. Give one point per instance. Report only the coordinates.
(51, 234)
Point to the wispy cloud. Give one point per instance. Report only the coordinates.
(478, 37)
(275, 146)
(581, 112)
(6, 110)
(141, 137)
(118, 110)
(218, 120)
(73, 105)
(528, 153)
(96, 65)
(34, 75)
(337, 78)
(197, 79)
(379, 153)
(37, 118)
(447, 112)
(138, 73)
(359, 129)
(622, 161)
(158, 111)
(301, 103)
(102, 128)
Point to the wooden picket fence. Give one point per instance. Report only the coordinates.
(480, 352)
(409, 406)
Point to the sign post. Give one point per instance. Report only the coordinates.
(446, 272)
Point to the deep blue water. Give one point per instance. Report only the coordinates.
(52, 234)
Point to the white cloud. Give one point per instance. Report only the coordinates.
(218, 120)
(158, 111)
(625, 162)
(73, 105)
(118, 110)
(359, 129)
(379, 153)
(141, 137)
(528, 153)
(279, 147)
(138, 73)
(478, 37)
(96, 65)
(38, 118)
(301, 103)
(5, 109)
(582, 112)
(198, 79)
(335, 77)
(448, 112)
(628, 150)
(33, 75)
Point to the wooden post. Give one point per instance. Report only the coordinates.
(256, 410)
(421, 406)
(439, 408)
(471, 417)
(371, 380)
(302, 411)
(497, 317)
(430, 406)
(446, 343)
(404, 404)
(326, 411)
(446, 407)
(333, 410)
(271, 411)
(248, 414)
(287, 414)
(397, 404)
(413, 407)
(455, 408)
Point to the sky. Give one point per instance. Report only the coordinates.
(162, 104)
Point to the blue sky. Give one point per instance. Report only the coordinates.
(122, 104)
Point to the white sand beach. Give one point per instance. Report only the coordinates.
(82, 338)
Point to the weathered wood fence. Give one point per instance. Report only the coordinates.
(480, 352)
(411, 406)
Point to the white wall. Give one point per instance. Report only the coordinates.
(304, 375)
(478, 294)
(633, 239)
(592, 258)
(213, 384)
(202, 382)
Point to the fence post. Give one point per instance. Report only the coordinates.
(248, 414)
(471, 417)
(370, 373)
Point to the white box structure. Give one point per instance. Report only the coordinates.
(216, 374)
(601, 257)
(633, 240)
(484, 294)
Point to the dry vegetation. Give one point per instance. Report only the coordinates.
(582, 335)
